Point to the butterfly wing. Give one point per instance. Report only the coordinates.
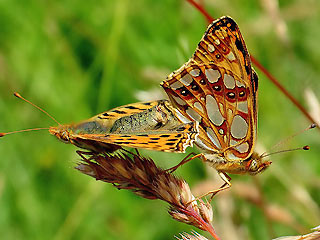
(150, 125)
(125, 110)
(217, 87)
(172, 140)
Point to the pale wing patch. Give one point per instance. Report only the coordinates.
(176, 85)
(240, 84)
(231, 156)
(186, 80)
(198, 106)
(231, 56)
(179, 100)
(195, 72)
(239, 127)
(213, 138)
(243, 148)
(202, 145)
(213, 111)
(211, 48)
(243, 106)
(212, 75)
(181, 117)
(229, 81)
(193, 114)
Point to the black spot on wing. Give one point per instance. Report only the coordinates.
(119, 112)
(154, 138)
(143, 135)
(132, 107)
(248, 69)
(170, 143)
(165, 135)
(254, 80)
(121, 142)
(147, 103)
(172, 140)
(240, 46)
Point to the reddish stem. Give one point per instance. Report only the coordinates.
(202, 10)
(206, 226)
(282, 89)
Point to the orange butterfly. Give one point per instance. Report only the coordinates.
(218, 88)
(148, 125)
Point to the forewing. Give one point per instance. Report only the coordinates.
(173, 140)
(217, 88)
(125, 110)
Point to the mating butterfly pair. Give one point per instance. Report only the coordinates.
(213, 104)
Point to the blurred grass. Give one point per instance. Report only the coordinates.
(76, 59)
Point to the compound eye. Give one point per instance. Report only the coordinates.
(253, 166)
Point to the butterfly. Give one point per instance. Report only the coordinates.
(218, 89)
(149, 125)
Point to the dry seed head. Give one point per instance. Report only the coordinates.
(145, 179)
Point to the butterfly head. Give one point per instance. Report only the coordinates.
(256, 164)
(62, 132)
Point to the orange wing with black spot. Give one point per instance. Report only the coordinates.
(149, 125)
(172, 140)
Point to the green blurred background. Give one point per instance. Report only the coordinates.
(78, 58)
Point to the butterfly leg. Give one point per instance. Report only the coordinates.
(227, 184)
(188, 158)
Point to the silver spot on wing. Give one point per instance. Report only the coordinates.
(212, 75)
(213, 111)
(186, 80)
(229, 81)
(239, 127)
(193, 114)
(213, 138)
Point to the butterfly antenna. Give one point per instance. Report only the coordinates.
(286, 150)
(294, 135)
(25, 130)
(288, 139)
(19, 96)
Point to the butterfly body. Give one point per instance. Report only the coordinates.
(148, 125)
(218, 89)
(253, 165)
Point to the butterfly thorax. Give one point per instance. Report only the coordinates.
(253, 165)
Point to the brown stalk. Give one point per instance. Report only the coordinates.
(262, 69)
(140, 175)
